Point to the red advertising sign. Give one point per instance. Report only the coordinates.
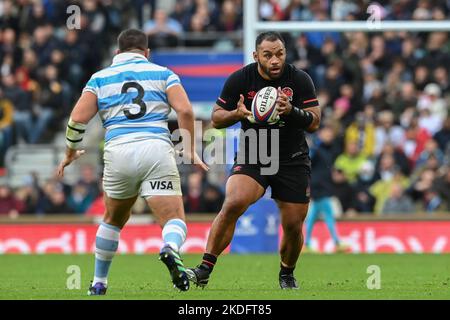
(387, 236)
(79, 238)
(363, 237)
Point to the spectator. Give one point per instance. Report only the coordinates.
(363, 201)
(212, 199)
(442, 137)
(414, 141)
(138, 6)
(387, 167)
(380, 190)
(432, 108)
(270, 10)
(398, 201)
(36, 17)
(407, 99)
(9, 204)
(362, 130)
(80, 199)
(57, 203)
(21, 105)
(343, 190)
(387, 131)
(75, 52)
(317, 39)
(10, 51)
(9, 16)
(90, 180)
(323, 155)
(43, 44)
(29, 196)
(162, 31)
(197, 28)
(193, 194)
(351, 161)
(399, 157)
(97, 207)
(432, 202)
(421, 77)
(228, 20)
(297, 10)
(441, 186)
(50, 104)
(6, 129)
(440, 77)
(379, 56)
(431, 149)
(421, 185)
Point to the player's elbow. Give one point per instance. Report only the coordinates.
(313, 127)
(215, 123)
(185, 112)
(78, 118)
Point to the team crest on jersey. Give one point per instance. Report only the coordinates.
(251, 95)
(289, 92)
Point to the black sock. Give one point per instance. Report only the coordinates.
(286, 270)
(208, 262)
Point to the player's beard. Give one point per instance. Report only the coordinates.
(268, 73)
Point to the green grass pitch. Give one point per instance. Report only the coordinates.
(235, 277)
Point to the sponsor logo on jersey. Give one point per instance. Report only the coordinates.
(289, 92)
(161, 185)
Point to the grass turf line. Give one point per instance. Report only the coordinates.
(235, 277)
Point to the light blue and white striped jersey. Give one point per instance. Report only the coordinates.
(131, 98)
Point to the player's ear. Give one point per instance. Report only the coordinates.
(117, 51)
(147, 53)
(255, 56)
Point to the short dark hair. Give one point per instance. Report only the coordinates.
(132, 39)
(269, 36)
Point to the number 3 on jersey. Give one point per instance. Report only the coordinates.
(137, 100)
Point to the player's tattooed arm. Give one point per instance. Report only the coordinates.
(222, 118)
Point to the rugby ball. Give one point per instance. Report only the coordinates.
(264, 106)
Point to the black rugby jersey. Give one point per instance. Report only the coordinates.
(296, 84)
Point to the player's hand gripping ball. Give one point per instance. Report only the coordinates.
(264, 109)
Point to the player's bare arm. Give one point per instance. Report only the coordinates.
(316, 114)
(222, 118)
(84, 110)
(179, 101)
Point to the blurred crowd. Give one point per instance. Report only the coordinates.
(384, 143)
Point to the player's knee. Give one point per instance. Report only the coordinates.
(234, 207)
(293, 228)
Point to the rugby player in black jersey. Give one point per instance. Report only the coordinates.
(299, 111)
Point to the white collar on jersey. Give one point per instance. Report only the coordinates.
(127, 56)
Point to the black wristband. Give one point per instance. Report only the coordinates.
(301, 118)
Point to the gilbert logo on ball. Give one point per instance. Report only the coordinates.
(263, 106)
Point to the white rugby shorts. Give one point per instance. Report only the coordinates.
(145, 167)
